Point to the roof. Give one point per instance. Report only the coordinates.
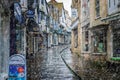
(52, 1)
(59, 5)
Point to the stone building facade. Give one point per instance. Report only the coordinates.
(76, 30)
(4, 38)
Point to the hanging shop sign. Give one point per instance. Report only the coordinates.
(17, 67)
(30, 14)
(18, 12)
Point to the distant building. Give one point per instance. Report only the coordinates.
(61, 26)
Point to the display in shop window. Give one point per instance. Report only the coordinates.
(116, 42)
(99, 41)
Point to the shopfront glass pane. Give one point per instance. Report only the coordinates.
(99, 41)
(116, 44)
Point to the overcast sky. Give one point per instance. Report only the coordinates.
(67, 5)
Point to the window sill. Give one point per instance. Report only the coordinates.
(115, 58)
(97, 17)
(85, 52)
(101, 54)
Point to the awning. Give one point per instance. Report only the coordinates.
(100, 27)
(111, 17)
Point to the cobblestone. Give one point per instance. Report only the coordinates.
(48, 65)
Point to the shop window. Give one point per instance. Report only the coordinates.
(39, 17)
(99, 41)
(86, 45)
(116, 42)
(76, 38)
(85, 39)
(42, 1)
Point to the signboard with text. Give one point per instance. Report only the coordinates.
(17, 67)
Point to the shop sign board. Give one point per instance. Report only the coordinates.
(18, 12)
(30, 14)
(17, 67)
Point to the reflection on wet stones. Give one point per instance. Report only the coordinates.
(48, 65)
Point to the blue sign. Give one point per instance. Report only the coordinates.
(30, 13)
(16, 72)
(17, 12)
(17, 67)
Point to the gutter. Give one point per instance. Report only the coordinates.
(111, 17)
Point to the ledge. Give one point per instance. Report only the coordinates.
(85, 52)
(97, 17)
(115, 58)
(99, 54)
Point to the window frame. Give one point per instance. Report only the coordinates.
(97, 8)
(42, 2)
(96, 35)
(75, 37)
(86, 39)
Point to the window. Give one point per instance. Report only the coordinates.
(116, 44)
(109, 3)
(99, 41)
(30, 3)
(85, 39)
(42, 16)
(42, 1)
(39, 17)
(97, 4)
(116, 41)
(114, 2)
(76, 38)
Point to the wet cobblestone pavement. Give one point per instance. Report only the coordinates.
(52, 64)
(48, 65)
(89, 69)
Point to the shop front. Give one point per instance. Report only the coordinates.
(85, 39)
(99, 43)
(115, 39)
(34, 36)
(99, 40)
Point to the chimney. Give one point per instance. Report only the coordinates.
(53, 0)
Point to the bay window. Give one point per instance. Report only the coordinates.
(116, 41)
(99, 41)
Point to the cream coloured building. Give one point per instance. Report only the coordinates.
(76, 31)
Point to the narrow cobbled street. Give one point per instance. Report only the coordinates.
(51, 66)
